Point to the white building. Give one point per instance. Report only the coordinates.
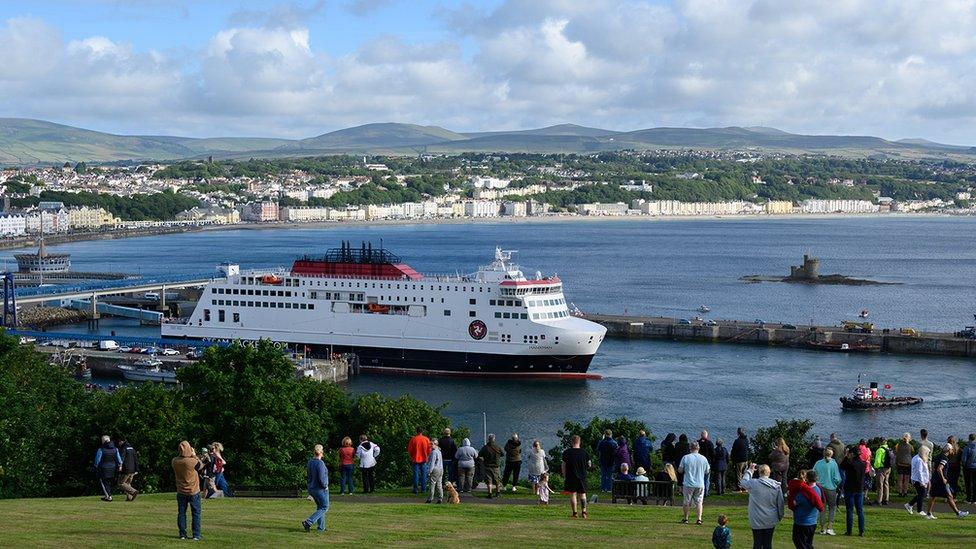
(12, 225)
(489, 182)
(480, 208)
(600, 208)
(514, 208)
(47, 221)
(303, 214)
(821, 206)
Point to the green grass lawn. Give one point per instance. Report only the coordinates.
(242, 522)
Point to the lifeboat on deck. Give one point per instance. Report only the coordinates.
(377, 308)
(271, 279)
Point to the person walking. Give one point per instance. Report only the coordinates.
(642, 450)
(707, 449)
(448, 449)
(882, 472)
(806, 500)
(318, 489)
(466, 456)
(779, 461)
(418, 448)
(695, 468)
(968, 463)
(606, 450)
(130, 468)
(740, 455)
(513, 461)
(828, 474)
(537, 465)
(489, 455)
(186, 470)
(435, 473)
(108, 461)
(220, 465)
(576, 463)
(347, 456)
(903, 463)
(720, 466)
(207, 484)
(853, 469)
(940, 484)
(367, 452)
(920, 481)
(766, 504)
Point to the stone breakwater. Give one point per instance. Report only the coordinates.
(42, 317)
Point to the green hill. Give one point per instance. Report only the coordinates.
(387, 135)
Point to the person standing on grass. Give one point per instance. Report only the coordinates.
(448, 449)
(681, 449)
(853, 469)
(576, 462)
(740, 455)
(903, 463)
(806, 500)
(418, 448)
(828, 473)
(108, 461)
(220, 464)
(920, 480)
(367, 452)
(721, 535)
(347, 458)
(606, 449)
(642, 450)
(667, 449)
(924, 441)
(130, 468)
(882, 468)
(513, 461)
(466, 456)
(766, 505)
(968, 463)
(186, 469)
(954, 468)
(318, 489)
(435, 472)
(489, 456)
(695, 468)
(940, 485)
(720, 466)
(779, 462)
(707, 449)
(537, 465)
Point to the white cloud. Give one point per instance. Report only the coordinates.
(895, 69)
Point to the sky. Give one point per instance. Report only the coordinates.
(891, 68)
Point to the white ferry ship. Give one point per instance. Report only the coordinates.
(366, 301)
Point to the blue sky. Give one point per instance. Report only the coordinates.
(303, 67)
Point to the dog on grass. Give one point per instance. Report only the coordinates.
(452, 493)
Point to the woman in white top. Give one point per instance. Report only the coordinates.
(536, 464)
(920, 480)
(367, 452)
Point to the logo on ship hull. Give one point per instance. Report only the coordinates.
(477, 329)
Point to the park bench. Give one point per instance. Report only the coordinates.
(660, 492)
(268, 492)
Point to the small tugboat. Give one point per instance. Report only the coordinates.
(862, 398)
(703, 309)
(864, 313)
(856, 347)
(144, 372)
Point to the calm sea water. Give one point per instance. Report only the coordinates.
(666, 268)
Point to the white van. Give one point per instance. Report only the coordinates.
(151, 295)
(108, 345)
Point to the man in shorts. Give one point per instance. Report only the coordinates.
(695, 468)
(576, 462)
(489, 456)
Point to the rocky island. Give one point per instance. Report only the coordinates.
(809, 273)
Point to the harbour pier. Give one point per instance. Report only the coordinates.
(893, 340)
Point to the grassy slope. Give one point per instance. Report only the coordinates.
(150, 521)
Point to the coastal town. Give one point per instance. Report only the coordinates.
(78, 198)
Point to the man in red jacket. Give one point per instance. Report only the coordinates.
(418, 449)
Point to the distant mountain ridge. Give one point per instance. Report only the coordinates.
(27, 141)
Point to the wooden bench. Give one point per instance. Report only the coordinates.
(660, 492)
(268, 492)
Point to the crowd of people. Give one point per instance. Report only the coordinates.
(828, 474)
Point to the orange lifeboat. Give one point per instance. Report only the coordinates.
(271, 279)
(377, 308)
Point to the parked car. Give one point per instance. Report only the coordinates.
(788, 327)
(169, 352)
(711, 323)
(684, 321)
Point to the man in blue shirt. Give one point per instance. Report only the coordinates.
(318, 488)
(642, 451)
(695, 468)
(606, 450)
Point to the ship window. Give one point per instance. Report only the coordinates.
(442, 300)
(535, 316)
(237, 317)
(506, 315)
(447, 312)
(206, 315)
(472, 314)
(311, 305)
(472, 301)
(497, 314)
(414, 286)
(236, 303)
(524, 316)
(491, 302)
(213, 290)
(220, 315)
(250, 303)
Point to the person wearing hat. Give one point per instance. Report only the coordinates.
(641, 477)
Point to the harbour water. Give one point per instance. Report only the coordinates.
(665, 268)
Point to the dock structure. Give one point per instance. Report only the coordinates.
(786, 335)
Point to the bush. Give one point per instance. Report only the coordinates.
(796, 432)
